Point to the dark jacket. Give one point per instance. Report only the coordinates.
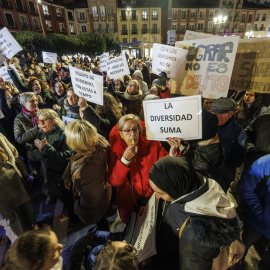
(53, 158)
(103, 125)
(132, 102)
(40, 76)
(258, 138)
(213, 225)
(17, 81)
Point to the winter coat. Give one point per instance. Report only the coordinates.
(40, 76)
(258, 137)
(166, 93)
(254, 190)
(92, 193)
(104, 124)
(68, 111)
(213, 225)
(132, 102)
(53, 158)
(47, 99)
(137, 172)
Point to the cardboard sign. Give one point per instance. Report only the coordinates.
(173, 117)
(87, 85)
(49, 58)
(117, 67)
(252, 66)
(208, 66)
(8, 45)
(167, 58)
(4, 74)
(103, 61)
(191, 35)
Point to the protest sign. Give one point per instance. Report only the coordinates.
(173, 117)
(208, 66)
(191, 35)
(4, 74)
(168, 59)
(15, 70)
(117, 67)
(49, 58)
(252, 66)
(8, 45)
(87, 85)
(103, 61)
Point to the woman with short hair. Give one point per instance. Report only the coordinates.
(86, 171)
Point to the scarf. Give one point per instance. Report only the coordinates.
(32, 114)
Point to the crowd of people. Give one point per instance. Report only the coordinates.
(93, 157)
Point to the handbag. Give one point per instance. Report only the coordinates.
(228, 256)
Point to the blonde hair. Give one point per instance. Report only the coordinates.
(52, 115)
(137, 85)
(81, 136)
(127, 117)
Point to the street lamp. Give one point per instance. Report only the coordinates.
(248, 34)
(220, 20)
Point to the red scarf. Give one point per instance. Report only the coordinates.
(33, 115)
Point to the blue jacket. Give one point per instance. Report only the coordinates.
(254, 189)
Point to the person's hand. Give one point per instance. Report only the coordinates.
(2, 83)
(40, 100)
(108, 80)
(82, 103)
(56, 107)
(198, 92)
(67, 184)
(175, 143)
(125, 108)
(37, 144)
(81, 113)
(40, 144)
(130, 152)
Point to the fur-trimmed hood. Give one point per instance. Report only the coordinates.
(133, 97)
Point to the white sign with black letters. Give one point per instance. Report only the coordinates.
(117, 67)
(191, 35)
(49, 58)
(8, 45)
(103, 61)
(173, 117)
(168, 59)
(87, 85)
(4, 74)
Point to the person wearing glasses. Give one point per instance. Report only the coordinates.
(132, 156)
(51, 151)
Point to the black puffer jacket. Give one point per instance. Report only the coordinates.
(213, 225)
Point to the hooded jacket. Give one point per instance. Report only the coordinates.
(138, 171)
(132, 102)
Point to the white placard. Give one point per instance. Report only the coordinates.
(117, 67)
(103, 61)
(208, 66)
(167, 58)
(8, 45)
(192, 35)
(87, 85)
(4, 74)
(49, 58)
(173, 117)
(16, 71)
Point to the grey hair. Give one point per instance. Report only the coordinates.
(26, 97)
(52, 115)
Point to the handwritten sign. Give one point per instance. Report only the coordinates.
(208, 66)
(87, 85)
(191, 35)
(173, 117)
(103, 61)
(252, 66)
(167, 58)
(8, 45)
(50, 58)
(117, 67)
(4, 74)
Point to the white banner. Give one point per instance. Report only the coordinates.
(16, 71)
(167, 58)
(49, 58)
(191, 35)
(103, 61)
(87, 85)
(4, 74)
(117, 67)
(8, 45)
(208, 66)
(173, 117)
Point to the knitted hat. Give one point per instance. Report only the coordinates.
(139, 73)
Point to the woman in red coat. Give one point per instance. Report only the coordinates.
(132, 157)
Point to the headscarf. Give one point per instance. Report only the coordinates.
(174, 176)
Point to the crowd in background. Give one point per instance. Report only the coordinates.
(93, 158)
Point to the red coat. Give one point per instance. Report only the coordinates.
(138, 170)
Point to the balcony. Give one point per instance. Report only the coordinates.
(124, 32)
(134, 18)
(155, 18)
(82, 20)
(154, 31)
(243, 19)
(192, 18)
(123, 18)
(201, 17)
(144, 17)
(110, 15)
(255, 29)
(144, 31)
(174, 17)
(95, 16)
(262, 29)
(134, 32)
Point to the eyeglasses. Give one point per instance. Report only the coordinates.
(42, 121)
(128, 131)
